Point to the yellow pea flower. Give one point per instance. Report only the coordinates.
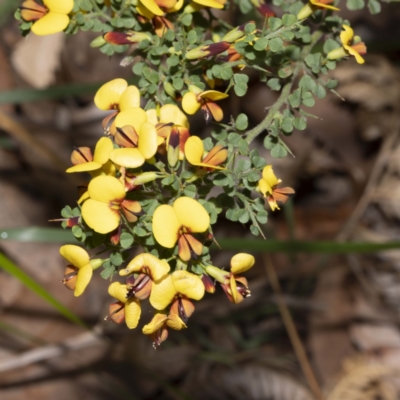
(157, 327)
(177, 223)
(196, 99)
(150, 8)
(150, 269)
(50, 18)
(84, 161)
(176, 289)
(314, 5)
(116, 95)
(138, 146)
(79, 273)
(197, 5)
(195, 154)
(357, 49)
(267, 185)
(126, 309)
(102, 211)
(235, 287)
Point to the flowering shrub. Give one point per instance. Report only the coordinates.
(151, 179)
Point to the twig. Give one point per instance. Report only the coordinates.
(374, 178)
(44, 353)
(292, 331)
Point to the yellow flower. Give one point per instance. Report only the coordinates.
(79, 273)
(50, 18)
(137, 145)
(149, 8)
(195, 154)
(357, 49)
(235, 287)
(196, 99)
(150, 269)
(126, 309)
(314, 5)
(124, 100)
(176, 289)
(197, 5)
(102, 211)
(157, 327)
(267, 185)
(84, 161)
(177, 223)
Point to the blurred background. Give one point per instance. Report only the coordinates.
(318, 325)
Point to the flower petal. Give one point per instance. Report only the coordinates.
(213, 108)
(59, 6)
(84, 276)
(109, 95)
(346, 35)
(75, 255)
(103, 149)
(269, 176)
(155, 324)
(174, 322)
(166, 226)
(188, 284)
(172, 113)
(128, 158)
(132, 313)
(191, 214)
(194, 150)
(148, 140)
(359, 59)
(190, 104)
(158, 268)
(99, 216)
(213, 95)
(152, 116)
(50, 23)
(130, 98)
(152, 6)
(85, 167)
(216, 156)
(210, 3)
(162, 293)
(106, 189)
(241, 262)
(134, 117)
(118, 291)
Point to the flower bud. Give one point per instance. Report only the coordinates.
(169, 89)
(98, 42)
(340, 52)
(218, 274)
(96, 263)
(145, 177)
(236, 33)
(305, 12)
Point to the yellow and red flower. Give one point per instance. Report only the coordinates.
(80, 270)
(50, 18)
(314, 5)
(102, 211)
(195, 154)
(149, 268)
(177, 223)
(84, 161)
(268, 186)
(235, 287)
(176, 289)
(357, 49)
(126, 309)
(196, 99)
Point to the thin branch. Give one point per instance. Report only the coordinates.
(292, 331)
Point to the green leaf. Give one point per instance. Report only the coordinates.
(355, 4)
(308, 99)
(276, 44)
(261, 44)
(187, 19)
(295, 98)
(330, 45)
(274, 84)
(190, 191)
(288, 19)
(126, 240)
(262, 217)
(116, 259)
(287, 125)
(300, 123)
(8, 266)
(278, 151)
(192, 37)
(374, 6)
(242, 122)
(250, 27)
(307, 83)
(243, 216)
(274, 23)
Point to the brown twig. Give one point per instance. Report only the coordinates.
(291, 330)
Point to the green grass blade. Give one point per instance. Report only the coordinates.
(59, 235)
(15, 331)
(37, 234)
(293, 246)
(8, 266)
